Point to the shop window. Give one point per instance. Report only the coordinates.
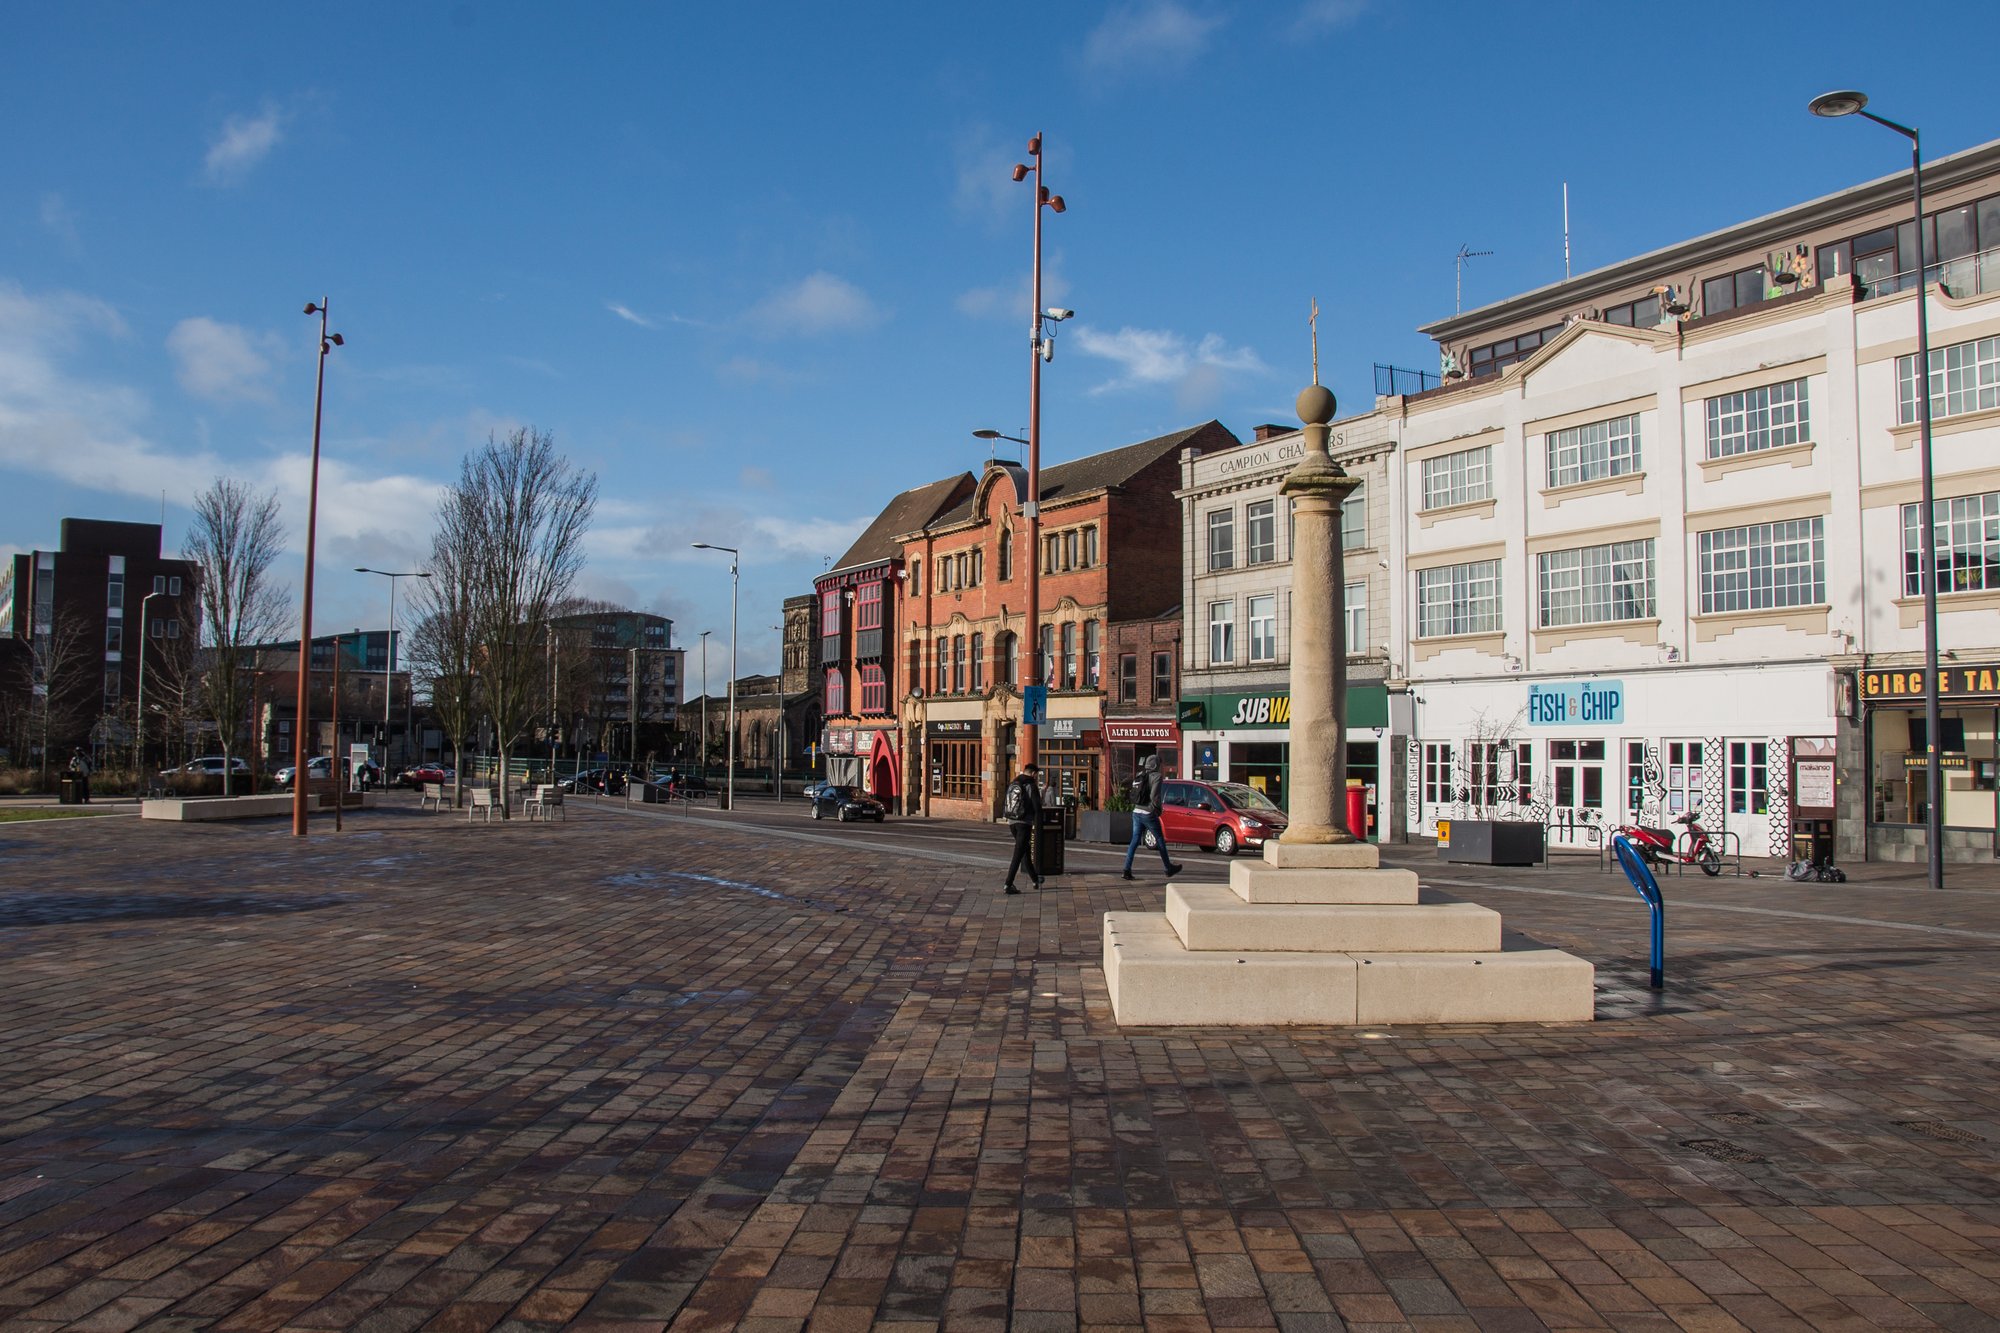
(1749, 778)
(1437, 773)
(1482, 765)
(1684, 776)
(1635, 778)
(955, 769)
(1966, 756)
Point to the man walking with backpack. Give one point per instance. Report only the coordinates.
(1022, 808)
(1146, 792)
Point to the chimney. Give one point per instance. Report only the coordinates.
(1268, 431)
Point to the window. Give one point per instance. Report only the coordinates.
(829, 613)
(1354, 520)
(978, 663)
(1069, 655)
(1222, 539)
(1163, 676)
(1128, 678)
(943, 660)
(1260, 532)
(1588, 453)
(1965, 377)
(961, 565)
(1010, 658)
(1093, 652)
(1482, 767)
(1006, 554)
(1497, 356)
(113, 684)
(1749, 779)
(1354, 598)
(1460, 478)
(1597, 584)
(157, 627)
(868, 607)
(1261, 620)
(159, 584)
(1459, 599)
(114, 599)
(955, 769)
(1090, 547)
(1732, 290)
(1966, 529)
(958, 664)
(1046, 667)
(978, 566)
(1524, 773)
(1683, 776)
(1643, 313)
(836, 693)
(1437, 773)
(1768, 417)
(114, 639)
(914, 672)
(874, 689)
(915, 576)
(1635, 778)
(1763, 567)
(1221, 632)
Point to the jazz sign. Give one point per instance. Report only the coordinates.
(1570, 703)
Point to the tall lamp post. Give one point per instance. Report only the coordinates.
(139, 727)
(778, 768)
(1041, 346)
(1849, 103)
(701, 751)
(735, 556)
(327, 342)
(389, 667)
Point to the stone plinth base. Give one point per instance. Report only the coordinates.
(1320, 935)
(201, 809)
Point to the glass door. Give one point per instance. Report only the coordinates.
(1747, 810)
(1576, 773)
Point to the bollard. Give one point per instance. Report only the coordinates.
(1648, 888)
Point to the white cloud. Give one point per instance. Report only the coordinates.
(1154, 34)
(59, 220)
(629, 315)
(1316, 17)
(223, 362)
(1160, 358)
(818, 303)
(243, 143)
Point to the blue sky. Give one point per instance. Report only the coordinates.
(761, 266)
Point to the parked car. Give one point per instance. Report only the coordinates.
(845, 804)
(208, 766)
(600, 781)
(369, 774)
(417, 774)
(1222, 816)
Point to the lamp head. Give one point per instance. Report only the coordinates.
(312, 308)
(1035, 146)
(1020, 172)
(986, 435)
(1056, 202)
(1832, 105)
(336, 340)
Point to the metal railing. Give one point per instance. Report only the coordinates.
(1396, 381)
(1968, 275)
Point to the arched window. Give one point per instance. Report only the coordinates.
(1006, 554)
(836, 693)
(1010, 659)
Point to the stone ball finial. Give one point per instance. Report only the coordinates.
(1316, 405)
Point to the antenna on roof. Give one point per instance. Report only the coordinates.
(1565, 231)
(1458, 289)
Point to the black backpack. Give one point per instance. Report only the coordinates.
(1015, 807)
(1141, 798)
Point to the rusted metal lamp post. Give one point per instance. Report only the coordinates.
(327, 342)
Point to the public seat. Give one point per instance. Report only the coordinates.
(430, 796)
(481, 804)
(543, 801)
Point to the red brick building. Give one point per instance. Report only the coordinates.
(856, 605)
(1110, 553)
(1142, 690)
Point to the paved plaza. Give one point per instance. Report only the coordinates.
(640, 1070)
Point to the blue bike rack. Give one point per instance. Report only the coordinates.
(1648, 888)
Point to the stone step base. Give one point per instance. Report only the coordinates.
(1255, 882)
(1209, 916)
(1155, 982)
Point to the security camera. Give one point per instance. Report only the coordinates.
(1058, 314)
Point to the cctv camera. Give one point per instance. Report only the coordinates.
(1058, 313)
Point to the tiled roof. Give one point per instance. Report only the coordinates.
(907, 512)
(1113, 467)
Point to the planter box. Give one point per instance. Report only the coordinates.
(1491, 842)
(1113, 826)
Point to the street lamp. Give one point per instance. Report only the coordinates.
(139, 730)
(729, 782)
(327, 342)
(389, 667)
(1041, 347)
(701, 751)
(1849, 103)
(778, 768)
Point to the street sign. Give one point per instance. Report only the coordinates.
(1034, 705)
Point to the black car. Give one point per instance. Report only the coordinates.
(600, 781)
(846, 803)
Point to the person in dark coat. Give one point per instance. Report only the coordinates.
(79, 767)
(1146, 798)
(1022, 806)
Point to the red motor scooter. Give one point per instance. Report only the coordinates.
(1659, 845)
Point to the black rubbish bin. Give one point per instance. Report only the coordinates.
(1049, 835)
(70, 790)
(1812, 841)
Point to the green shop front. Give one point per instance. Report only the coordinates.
(1246, 737)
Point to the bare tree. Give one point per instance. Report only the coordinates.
(234, 540)
(58, 685)
(508, 549)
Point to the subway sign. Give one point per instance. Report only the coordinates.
(1262, 710)
(1576, 702)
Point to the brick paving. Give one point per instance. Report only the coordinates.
(635, 1072)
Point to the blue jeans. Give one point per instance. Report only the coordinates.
(1141, 821)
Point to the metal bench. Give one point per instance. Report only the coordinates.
(481, 804)
(542, 801)
(430, 796)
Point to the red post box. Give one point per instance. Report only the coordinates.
(1357, 809)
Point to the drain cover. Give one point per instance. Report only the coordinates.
(1938, 1129)
(1722, 1150)
(1738, 1118)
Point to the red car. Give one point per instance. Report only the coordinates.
(1222, 816)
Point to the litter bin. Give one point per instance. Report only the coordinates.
(70, 790)
(1812, 841)
(1049, 835)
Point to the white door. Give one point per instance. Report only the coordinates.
(1577, 796)
(1747, 809)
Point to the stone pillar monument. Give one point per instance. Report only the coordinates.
(1318, 799)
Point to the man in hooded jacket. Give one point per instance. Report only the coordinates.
(1146, 814)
